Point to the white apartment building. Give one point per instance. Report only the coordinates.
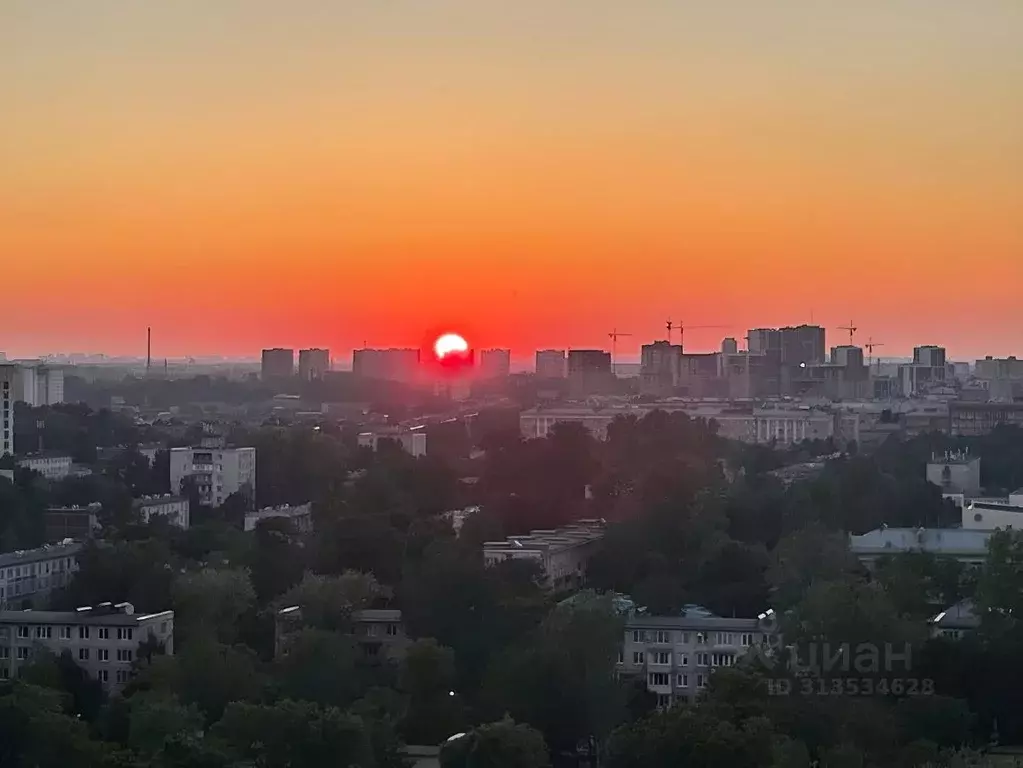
(38, 384)
(104, 640)
(52, 466)
(562, 554)
(175, 509)
(677, 654)
(300, 516)
(412, 440)
(217, 471)
(966, 546)
(8, 374)
(28, 576)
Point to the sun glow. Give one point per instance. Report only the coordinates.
(449, 343)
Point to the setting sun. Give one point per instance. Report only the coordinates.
(449, 343)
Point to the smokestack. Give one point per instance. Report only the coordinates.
(149, 348)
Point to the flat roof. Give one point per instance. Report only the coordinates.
(690, 623)
(950, 541)
(39, 554)
(114, 618)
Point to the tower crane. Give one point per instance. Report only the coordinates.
(682, 331)
(870, 351)
(614, 346)
(851, 328)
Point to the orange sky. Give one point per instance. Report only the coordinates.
(250, 173)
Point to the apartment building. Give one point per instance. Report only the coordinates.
(38, 384)
(300, 516)
(412, 439)
(678, 654)
(380, 632)
(8, 375)
(562, 554)
(277, 363)
(313, 363)
(551, 364)
(75, 523)
(966, 546)
(28, 576)
(495, 363)
(52, 466)
(216, 470)
(387, 364)
(174, 509)
(103, 640)
(967, 419)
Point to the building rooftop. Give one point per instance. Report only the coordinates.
(554, 539)
(38, 455)
(91, 508)
(689, 622)
(946, 541)
(104, 614)
(372, 615)
(960, 616)
(285, 510)
(167, 498)
(954, 457)
(45, 552)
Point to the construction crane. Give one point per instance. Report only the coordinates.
(682, 331)
(851, 328)
(870, 351)
(614, 347)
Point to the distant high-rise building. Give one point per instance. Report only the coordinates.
(763, 341)
(386, 364)
(313, 363)
(930, 356)
(590, 372)
(38, 384)
(659, 367)
(277, 363)
(847, 356)
(729, 346)
(802, 344)
(8, 376)
(495, 363)
(550, 364)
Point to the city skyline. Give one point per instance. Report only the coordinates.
(248, 175)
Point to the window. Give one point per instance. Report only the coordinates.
(701, 638)
(701, 681)
(638, 636)
(5, 673)
(65, 633)
(124, 633)
(5, 652)
(23, 632)
(103, 676)
(83, 633)
(683, 681)
(83, 654)
(682, 659)
(23, 653)
(685, 638)
(726, 638)
(104, 633)
(722, 660)
(392, 630)
(663, 636)
(103, 654)
(621, 655)
(746, 639)
(122, 676)
(124, 654)
(663, 700)
(702, 660)
(637, 657)
(659, 678)
(44, 633)
(660, 657)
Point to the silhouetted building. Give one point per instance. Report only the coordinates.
(589, 372)
(550, 364)
(929, 356)
(495, 363)
(763, 341)
(659, 368)
(75, 523)
(386, 364)
(729, 346)
(313, 363)
(847, 356)
(802, 344)
(277, 363)
(7, 377)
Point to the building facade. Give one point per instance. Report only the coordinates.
(103, 640)
(955, 472)
(380, 632)
(75, 523)
(8, 375)
(551, 364)
(38, 384)
(562, 554)
(659, 368)
(676, 655)
(802, 344)
(277, 363)
(52, 466)
(966, 546)
(495, 363)
(313, 363)
(216, 471)
(387, 364)
(300, 516)
(967, 419)
(28, 576)
(174, 509)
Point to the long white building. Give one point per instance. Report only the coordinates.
(217, 471)
(103, 640)
(28, 576)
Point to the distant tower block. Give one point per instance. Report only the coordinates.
(149, 348)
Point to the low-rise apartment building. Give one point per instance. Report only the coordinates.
(104, 640)
(28, 576)
(380, 632)
(52, 466)
(174, 509)
(412, 439)
(966, 546)
(676, 655)
(300, 516)
(562, 554)
(217, 471)
(75, 523)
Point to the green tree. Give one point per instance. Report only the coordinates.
(804, 557)
(209, 603)
(82, 695)
(504, 744)
(999, 596)
(157, 719)
(328, 602)
(434, 710)
(323, 667)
